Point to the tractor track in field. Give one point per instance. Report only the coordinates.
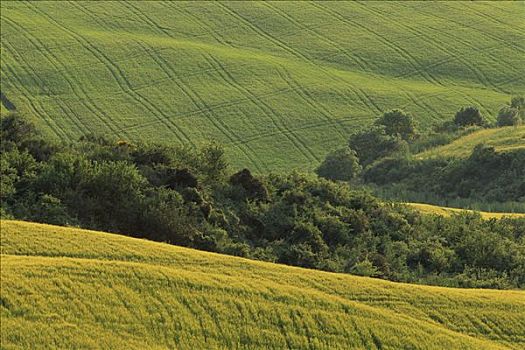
(163, 118)
(358, 61)
(305, 126)
(265, 108)
(366, 99)
(191, 94)
(76, 89)
(309, 100)
(488, 51)
(502, 41)
(411, 60)
(197, 100)
(431, 40)
(201, 23)
(39, 112)
(125, 85)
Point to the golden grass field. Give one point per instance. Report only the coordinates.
(503, 139)
(70, 288)
(446, 211)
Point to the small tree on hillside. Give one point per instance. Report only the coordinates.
(468, 116)
(341, 164)
(397, 122)
(508, 116)
(518, 102)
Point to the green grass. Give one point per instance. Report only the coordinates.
(446, 211)
(503, 139)
(71, 288)
(259, 77)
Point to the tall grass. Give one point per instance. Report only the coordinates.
(70, 288)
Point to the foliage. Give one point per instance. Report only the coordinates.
(508, 116)
(185, 197)
(374, 143)
(468, 116)
(341, 164)
(397, 122)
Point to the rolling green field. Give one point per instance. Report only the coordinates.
(503, 139)
(71, 288)
(258, 77)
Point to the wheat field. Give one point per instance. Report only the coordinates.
(70, 288)
(258, 77)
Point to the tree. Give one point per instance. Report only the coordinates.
(508, 116)
(468, 116)
(518, 102)
(397, 122)
(374, 143)
(341, 164)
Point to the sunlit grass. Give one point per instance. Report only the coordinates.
(71, 288)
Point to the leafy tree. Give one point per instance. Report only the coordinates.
(374, 143)
(341, 164)
(397, 122)
(508, 116)
(518, 102)
(467, 116)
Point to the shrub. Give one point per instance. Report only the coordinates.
(467, 116)
(341, 164)
(397, 122)
(508, 116)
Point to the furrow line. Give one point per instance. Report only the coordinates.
(206, 110)
(411, 60)
(430, 40)
(503, 41)
(53, 59)
(118, 76)
(269, 111)
(27, 95)
(305, 126)
(201, 23)
(192, 95)
(309, 100)
(361, 63)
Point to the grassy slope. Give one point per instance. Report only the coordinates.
(446, 211)
(259, 77)
(70, 288)
(503, 139)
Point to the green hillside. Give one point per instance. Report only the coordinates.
(503, 139)
(70, 288)
(258, 77)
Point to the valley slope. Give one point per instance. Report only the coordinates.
(257, 77)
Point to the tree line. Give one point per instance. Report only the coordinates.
(383, 157)
(191, 197)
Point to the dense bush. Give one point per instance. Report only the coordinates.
(189, 197)
(341, 164)
(374, 143)
(468, 116)
(398, 123)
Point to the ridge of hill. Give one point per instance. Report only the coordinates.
(503, 139)
(447, 211)
(72, 288)
(258, 77)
